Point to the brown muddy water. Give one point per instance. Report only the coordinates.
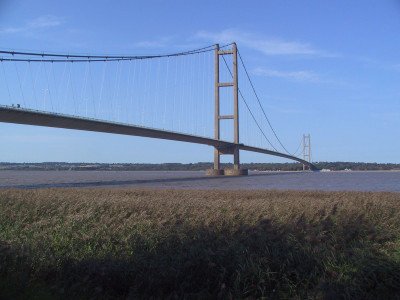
(329, 181)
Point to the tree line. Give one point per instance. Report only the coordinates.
(200, 166)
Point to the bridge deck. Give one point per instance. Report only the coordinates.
(40, 118)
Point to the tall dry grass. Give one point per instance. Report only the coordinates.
(198, 244)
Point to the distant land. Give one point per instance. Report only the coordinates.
(62, 166)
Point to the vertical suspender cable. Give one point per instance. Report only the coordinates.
(83, 91)
(32, 82)
(114, 93)
(155, 96)
(259, 102)
(203, 105)
(248, 107)
(102, 85)
(48, 87)
(127, 107)
(165, 94)
(175, 95)
(19, 82)
(132, 88)
(92, 91)
(140, 99)
(6, 81)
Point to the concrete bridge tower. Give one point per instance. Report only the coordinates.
(306, 150)
(236, 171)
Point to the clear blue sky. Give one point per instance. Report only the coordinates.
(328, 68)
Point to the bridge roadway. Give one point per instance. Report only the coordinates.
(25, 116)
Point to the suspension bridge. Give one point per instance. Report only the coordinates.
(192, 96)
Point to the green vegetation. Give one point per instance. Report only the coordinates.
(102, 243)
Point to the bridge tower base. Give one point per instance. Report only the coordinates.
(227, 172)
(236, 172)
(215, 172)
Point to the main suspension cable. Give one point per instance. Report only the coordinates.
(259, 102)
(298, 148)
(248, 107)
(96, 58)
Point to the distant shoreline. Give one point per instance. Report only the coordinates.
(119, 170)
(200, 166)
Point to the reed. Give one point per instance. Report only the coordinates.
(131, 243)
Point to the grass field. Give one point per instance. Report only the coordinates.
(102, 243)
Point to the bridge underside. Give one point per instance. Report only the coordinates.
(39, 118)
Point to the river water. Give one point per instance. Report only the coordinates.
(329, 181)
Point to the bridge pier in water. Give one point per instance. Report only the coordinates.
(236, 170)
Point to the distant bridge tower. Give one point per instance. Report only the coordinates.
(306, 149)
(235, 116)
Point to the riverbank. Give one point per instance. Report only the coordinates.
(142, 243)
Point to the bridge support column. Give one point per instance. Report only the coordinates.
(216, 171)
(236, 152)
(235, 116)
